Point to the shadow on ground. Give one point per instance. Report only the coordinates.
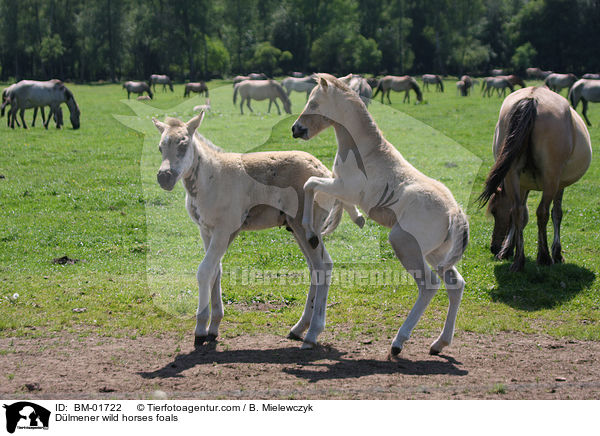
(540, 287)
(322, 363)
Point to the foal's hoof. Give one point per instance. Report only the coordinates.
(211, 338)
(313, 241)
(360, 221)
(199, 341)
(294, 337)
(395, 351)
(434, 352)
(306, 345)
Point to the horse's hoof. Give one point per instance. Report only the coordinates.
(395, 351)
(516, 267)
(360, 221)
(313, 241)
(211, 338)
(434, 352)
(308, 345)
(294, 337)
(199, 341)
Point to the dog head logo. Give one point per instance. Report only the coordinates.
(26, 415)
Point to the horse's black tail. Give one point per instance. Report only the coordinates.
(377, 89)
(520, 124)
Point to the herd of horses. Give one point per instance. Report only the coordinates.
(540, 144)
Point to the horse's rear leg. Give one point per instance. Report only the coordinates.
(543, 257)
(557, 214)
(22, 115)
(584, 111)
(35, 111)
(455, 286)
(276, 105)
(515, 235)
(388, 96)
(409, 253)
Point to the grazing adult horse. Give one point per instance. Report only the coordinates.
(137, 88)
(433, 79)
(261, 90)
(460, 88)
(6, 102)
(359, 85)
(198, 87)
(398, 83)
(499, 83)
(497, 72)
(161, 79)
(428, 226)
(540, 144)
(585, 90)
(373, 82)
(556, 82)
(31, 94)
(591, 76)
(536, 73)
(304, 84)
(230, 192)
(468, 84)
(257, 76)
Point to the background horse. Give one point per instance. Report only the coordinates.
(261, 90)
(304, 84)
(31, 94)
(591, 76)
(198, 87)
(161, 79)
(359, 85)
(398, 83)
(536, 73)
(427, 225)
(137, 88)
(251, 191)
(556, 82)
(257, 76)
(433, 79)
(540, 144)
(585, 90)
(499, 83)
(497, 72)
(468, 84)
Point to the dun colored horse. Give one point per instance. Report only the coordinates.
(427, 225)
(499, 83)
(585, 90)
(398, 83)
(161, 79)
(540, 144)
(227, 193)
(198, 87)
(556, 82)
(261, 90)
(359, 85)
(137, 88)
(304, 84)
(536, 73)
(434, 79)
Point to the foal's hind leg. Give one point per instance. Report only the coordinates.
(455, 286)
(557, 214)
(409, 253)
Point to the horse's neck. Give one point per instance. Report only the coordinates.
(359, 132)
(202, 164)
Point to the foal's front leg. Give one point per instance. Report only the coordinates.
(207, 273)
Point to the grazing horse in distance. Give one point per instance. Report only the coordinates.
(297, 74)
(585, 90)
(31, 94)
(161, 79)
(556, 82)
(540, 144)
(591, 76)
(198, 87)
(359, 85)
(497, 72)
(137, 88)
(373, 82)
(429, 231)
(304, 84)
(227, 193)
(434, 79)
(499, 83)
(257, 76)
(468, 84)
(536, 73)
(398, 83)
(262, 90)
(460, 88)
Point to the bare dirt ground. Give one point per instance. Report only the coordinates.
(504, 366)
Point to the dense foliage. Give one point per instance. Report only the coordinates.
(191, 39)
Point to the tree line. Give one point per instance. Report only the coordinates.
(199, 39)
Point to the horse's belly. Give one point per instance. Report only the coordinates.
(263, 217)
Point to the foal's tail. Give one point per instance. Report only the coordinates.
(333, 219)
(520, 124)
(459, 235)
(235, 91)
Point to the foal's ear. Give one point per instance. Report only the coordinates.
(159, 125)
(323, 82)
(194, 123)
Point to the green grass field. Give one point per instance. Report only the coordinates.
(91, 194)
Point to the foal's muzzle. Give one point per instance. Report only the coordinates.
(299, 131)
(166, 179)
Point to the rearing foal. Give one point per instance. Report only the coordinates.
(428, 226)
(230, 192)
